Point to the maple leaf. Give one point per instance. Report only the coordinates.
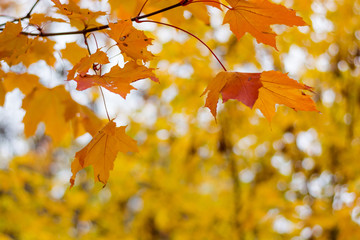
(118, 79)
(82, 118)
(46, 105)
(86, 63)
(24, 82)
(38, 49)
(102, 151)
(132, 42)
(58, 111)
(73, 53)
(12, 43)
(259, 90)
(256, 16)
(278, 88)
(16, 48)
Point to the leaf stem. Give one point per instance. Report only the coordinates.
(101, 91)
(104, 101)
(142, 8)
(178, 28)
(212, 2)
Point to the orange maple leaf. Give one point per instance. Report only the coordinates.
(102, 151)
(86, 63)
(278, 88)
(132, 42)
(260, 90)
(118, 79)
(256, 16)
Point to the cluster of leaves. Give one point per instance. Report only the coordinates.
(259, 90)
(194, 178)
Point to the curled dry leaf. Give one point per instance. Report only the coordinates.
(102, 151)
(260, 90)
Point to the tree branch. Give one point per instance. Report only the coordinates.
(87, 30)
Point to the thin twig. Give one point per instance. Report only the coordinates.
(169, 25)
(212, 2)
(28, 15)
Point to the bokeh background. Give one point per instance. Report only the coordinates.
(297, 177)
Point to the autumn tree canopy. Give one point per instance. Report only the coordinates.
(112, 127)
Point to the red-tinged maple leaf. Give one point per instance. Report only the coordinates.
(256, 16)
(132, 42)
(102, 151)
(232, 85)
(259, 90)
(86, 63)
(118, 79)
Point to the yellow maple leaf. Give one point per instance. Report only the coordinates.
(73, 53)
(25, 82)
(102, 151)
